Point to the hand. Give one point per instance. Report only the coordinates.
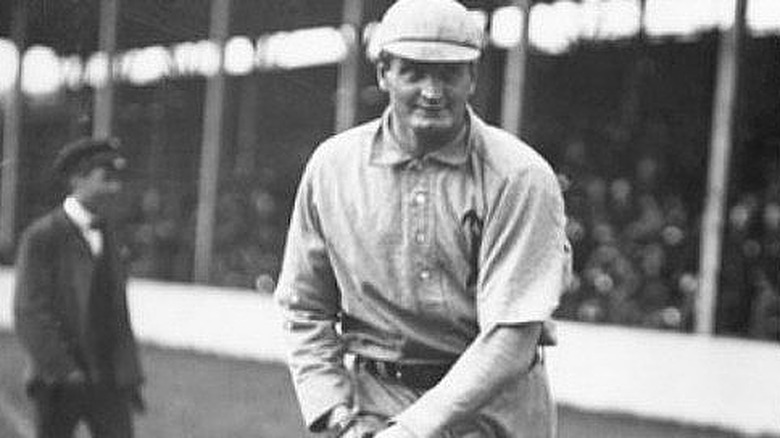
(395, 431)
(367, 426)
(353, 424)
(341, 421)
(75, 379)
(339, 415)
(75, 382)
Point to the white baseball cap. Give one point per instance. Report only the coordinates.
(429, 31)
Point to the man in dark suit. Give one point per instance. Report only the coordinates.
(70, 304)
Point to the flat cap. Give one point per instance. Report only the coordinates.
(86, 153)
(428, 31)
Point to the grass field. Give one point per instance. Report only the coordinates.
(192, 395)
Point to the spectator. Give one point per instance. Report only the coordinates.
(70, 306)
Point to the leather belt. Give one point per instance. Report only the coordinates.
(418, 376)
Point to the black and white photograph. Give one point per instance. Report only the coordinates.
(390, 218)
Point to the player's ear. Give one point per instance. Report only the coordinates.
(381, 72)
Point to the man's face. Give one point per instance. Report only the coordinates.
(96, 188)
(428, 100)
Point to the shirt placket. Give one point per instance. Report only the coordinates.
(420, 233)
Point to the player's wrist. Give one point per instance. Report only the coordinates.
(338, 414)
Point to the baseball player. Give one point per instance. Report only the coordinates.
(426, 249)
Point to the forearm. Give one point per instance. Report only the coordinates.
(315, 357)
(310, 302)
(497, 356)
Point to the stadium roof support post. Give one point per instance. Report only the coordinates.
(213, 113)
(103, 116)
(721, 137)
(349, 68)
(514, 74)
(12, 132)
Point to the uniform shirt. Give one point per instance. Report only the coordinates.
(83, 218)
(414, 256)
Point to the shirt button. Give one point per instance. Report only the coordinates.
(425, 274)
(420, 198)
(419, 237)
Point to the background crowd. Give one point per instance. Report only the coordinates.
(636, 244)
(635, 238)
(626, 127)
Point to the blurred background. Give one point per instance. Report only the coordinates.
(661, 117)
(621, 96)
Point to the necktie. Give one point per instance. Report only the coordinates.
(95, 235)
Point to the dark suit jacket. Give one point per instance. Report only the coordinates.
(54, 273)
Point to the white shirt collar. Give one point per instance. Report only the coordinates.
(78, 213)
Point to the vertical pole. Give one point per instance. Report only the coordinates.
(12, 133)
(717, 181)
(103, 116)
(211, 146)
(349, 68)
(247, 126)
(514, 75)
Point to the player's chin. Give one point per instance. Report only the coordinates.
(434, 123)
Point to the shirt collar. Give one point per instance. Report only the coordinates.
(78, 213)
(386, 150)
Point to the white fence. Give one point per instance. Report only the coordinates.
(727, 383)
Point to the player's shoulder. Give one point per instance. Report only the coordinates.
(505, 154)
(344, 146)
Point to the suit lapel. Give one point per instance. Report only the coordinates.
(73, 236)
(78, 262)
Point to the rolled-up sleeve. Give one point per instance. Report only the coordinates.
(309, 299)
(524, 254)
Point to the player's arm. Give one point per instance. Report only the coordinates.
(522, 269)
(310, 304)
(493, 360)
